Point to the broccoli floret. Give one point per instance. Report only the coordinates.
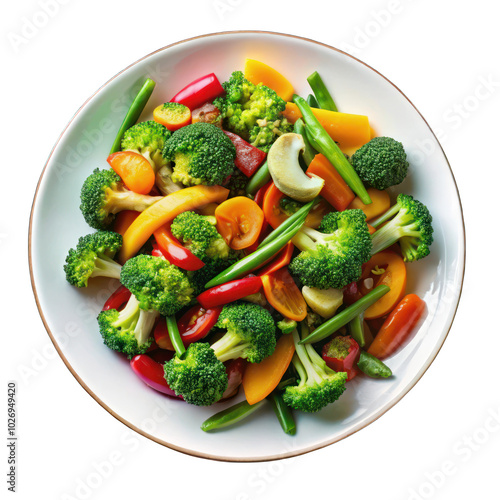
(254, 112)
(250, 332)
(93, 257)
(286, 325)
(199, 235)
(290, 206)
(202, 154)
(157, 284)
(103, 195)
(148, 139)
(197, 375)
(332, 257)
(237, 184)
(410, 223)
(129, 330)
(381, 163)
(318, 384)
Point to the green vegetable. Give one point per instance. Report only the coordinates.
(197, 375)
(381, 163)
(231, 415)
(318, 384)
(103, 195)
(372, 366)
(202, 154)
(245, 265)
(332, 257)
(259, 179)
(356, 330)
(323, 97)
(129, 330)
(237, 184)
(311, 100)
(174, 335)
(250, 333)
(283, 413)
(410, 223)
(134, 112)
(254, 112)
(323, 143)
(157, 284)
(148, 139)
(309, 152)
(342, 318)
(93, 257)
(286, 325)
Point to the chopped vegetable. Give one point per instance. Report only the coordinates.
(342, 355)
(248, 158)
(199, 91)
(381, 202)
(323, 97)
(324, 302)
(372, 366)
(172, 115)
(231, 415)
(258, 72)
(229, 292)
(151, 373)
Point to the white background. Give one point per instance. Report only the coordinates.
(442, 440)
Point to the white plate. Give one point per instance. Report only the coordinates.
(69, 314)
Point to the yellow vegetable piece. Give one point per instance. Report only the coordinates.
(258, 72)
(164, 211)
(260, 379)
(347, 129)
(379, 205)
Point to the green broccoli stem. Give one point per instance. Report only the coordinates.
(135, 110)
(127, 317)
(311, 100)
(252, 261)
(391, 232)
(356, 330)
(259, 179)
(231, 415)
(107, 267)
(309, 374)
(144, 325)
(175, 336)
(322, 142)
(342, 318)
(229, 346)
(309, 152)
(283, 413)
(299, 215)
(121, 199)
(323, 97)
(385, 216)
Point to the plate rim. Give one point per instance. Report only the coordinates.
(204, 455)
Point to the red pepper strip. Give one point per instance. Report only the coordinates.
(282, 259)
(342, 355)
(197, 322)
(161, 336)
(174, 252)
(248, 158)
(398, 326)
(117, 298)
(229, 292)
(235, 370)
(151, 373)
(198, 92)
(259, 195)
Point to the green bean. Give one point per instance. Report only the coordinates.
(283, 413)
(342, 318)
(323, 143)
(175, 336)
(372, 366)
(133, 112)
(311, 100)
(309, 153)
(231, 415)
(324, 98)
(356, 330)
(259, 179)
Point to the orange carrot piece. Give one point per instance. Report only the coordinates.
(260, 379)
(379, 205)
(135, 171)
(172, 115)
(258, 72)
(335, 191)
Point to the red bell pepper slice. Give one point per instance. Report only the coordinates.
(152, 374)
(198, 92)
(259, 195)
(117, 298)
(195, 323)
(248, 158)
(342, 355)
(282, 259)
(229, 292)
(174, 252)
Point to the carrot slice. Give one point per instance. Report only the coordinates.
(258, 72)
(394, 277)
(335, 190)
(260, 379)
(347, 129)
(284, 295)
(239, 221)
(135, 171)
(172, 115)
(379, 205)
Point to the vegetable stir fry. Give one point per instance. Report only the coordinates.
(256, 244)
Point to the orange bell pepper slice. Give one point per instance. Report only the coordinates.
(260, 379)
(394, 277)
(284, 295)
(165, 210)
(257, 72)
(239, 221)
(123, 220)
(379, 205)
(135, 171)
